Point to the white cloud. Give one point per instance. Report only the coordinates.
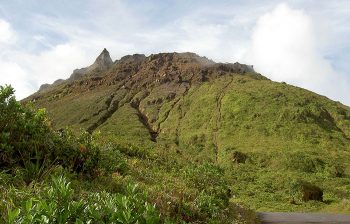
(12, 74)
(284, 44)
(26, 72)
(48, 66)
(222, 42)
(284, 48)
(6, 33)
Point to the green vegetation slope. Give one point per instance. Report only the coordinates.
(182, 118)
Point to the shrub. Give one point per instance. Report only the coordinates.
(25, 133)
(29, 144)
(303, 162)
(305, 191)
(112, 160)
(335, 170)
(208, 204)
(205, 175)
(57, 204)
(238, 157)
(214, 193)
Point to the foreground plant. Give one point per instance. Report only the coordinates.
(28, 142)
(58, 204)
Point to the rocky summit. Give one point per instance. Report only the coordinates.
(102, 63)
(268, 137)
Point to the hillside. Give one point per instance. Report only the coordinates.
(183, 110)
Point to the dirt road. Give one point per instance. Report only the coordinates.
(302, 218)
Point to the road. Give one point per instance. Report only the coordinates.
(302, 218)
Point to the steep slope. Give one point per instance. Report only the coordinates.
(200, 111)
(183, 97)
(141, 85)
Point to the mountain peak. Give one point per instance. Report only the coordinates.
(104, 60)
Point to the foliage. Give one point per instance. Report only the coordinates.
(214, 192)
(25, 135)
(29, 144)
(230, 140)
(58, 204)
(300, 161)
(305, 191)
(335, 170)
(31, 151)
(204, 176)
(113, 160)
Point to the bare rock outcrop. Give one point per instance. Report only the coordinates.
(102, 63)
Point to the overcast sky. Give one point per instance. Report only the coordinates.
(302, 42)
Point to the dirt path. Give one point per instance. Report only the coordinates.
(302, 218)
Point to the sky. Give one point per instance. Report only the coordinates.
(305, 43)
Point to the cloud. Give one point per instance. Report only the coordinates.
(29, 71)
(284, 47)
(26, 71)
(6, 33)
(47, 66)
(283, 43)
(13, 74)
(32, 59)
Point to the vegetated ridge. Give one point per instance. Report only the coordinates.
(269, 138)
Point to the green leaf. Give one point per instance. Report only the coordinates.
(28, 205)
(12, 215)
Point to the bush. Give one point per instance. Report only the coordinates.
(302, 162)
(335, 170)
(214, 193)
(238, 157)
(208, 204)
(112, 160)
(30, 145)
(205, 175)
(305, 191)
(25, 133)
(57, 204)
(30, 149)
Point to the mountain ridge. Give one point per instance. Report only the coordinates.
(137, 76)
(104, 62)
(191, 110)
(147, 72)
